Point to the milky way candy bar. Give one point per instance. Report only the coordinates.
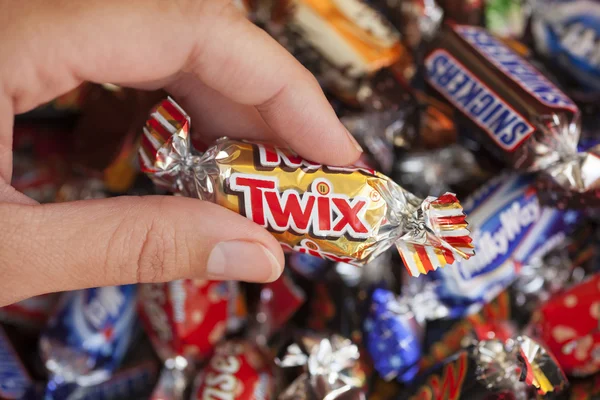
(344, 214)
(522, 117)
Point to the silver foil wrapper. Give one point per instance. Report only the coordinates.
(330, 367)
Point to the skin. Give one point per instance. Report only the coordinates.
(215, 63)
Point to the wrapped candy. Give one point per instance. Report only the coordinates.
(506, 18)
(569, 324)
(393, 336)
(185, 319)
(452, 168)
(347, 214)
(522, 117)
(86, 339)
(377, 132)
(452, 339)
(418, 19)
(339, 302)
(237, 371)
(357, 55)
(278, 302)
(330, 368)
(566, 33)
(133, 382)
(492, 368)
(511, 229)
(359, 40)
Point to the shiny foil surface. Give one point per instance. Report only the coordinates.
(345, 214)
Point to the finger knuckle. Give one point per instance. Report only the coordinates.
(157, 254)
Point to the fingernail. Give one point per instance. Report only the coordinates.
(244, 261)
(354, 142)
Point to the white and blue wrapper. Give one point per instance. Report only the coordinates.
(510, 229)
(135, 382)
(568, 33)
(88, 336)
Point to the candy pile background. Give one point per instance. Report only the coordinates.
(496, 102)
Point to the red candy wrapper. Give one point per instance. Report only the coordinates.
(237, 371)
(186, 318)
(279, 301)
(569, 323)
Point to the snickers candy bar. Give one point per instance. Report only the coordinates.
(528, 122)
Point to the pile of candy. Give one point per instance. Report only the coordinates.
(495, 102)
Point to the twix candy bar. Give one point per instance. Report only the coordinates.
(344, 214)
(528, 122)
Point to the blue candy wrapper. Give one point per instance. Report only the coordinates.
(568, 32)
(510, 229)
(392, 337)
(310, 267)
(135, 382)
(15, 381)
(86, 339)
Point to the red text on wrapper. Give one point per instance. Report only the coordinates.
(270, 158)
(319, 211)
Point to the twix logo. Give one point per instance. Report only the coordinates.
(319, 211)
(270, 157)
(449, 385)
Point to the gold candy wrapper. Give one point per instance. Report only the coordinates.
(344, 214)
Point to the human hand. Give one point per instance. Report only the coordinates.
(229, 75)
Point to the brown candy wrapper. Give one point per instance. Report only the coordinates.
(344, 214)
(522, 117)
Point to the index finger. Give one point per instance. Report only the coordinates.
(61, 43)
(247, 65)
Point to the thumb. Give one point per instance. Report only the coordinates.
(56, 247)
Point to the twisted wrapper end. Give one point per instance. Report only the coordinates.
(435, 234)
(166, 154)
(540, 368)
(331, 368)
